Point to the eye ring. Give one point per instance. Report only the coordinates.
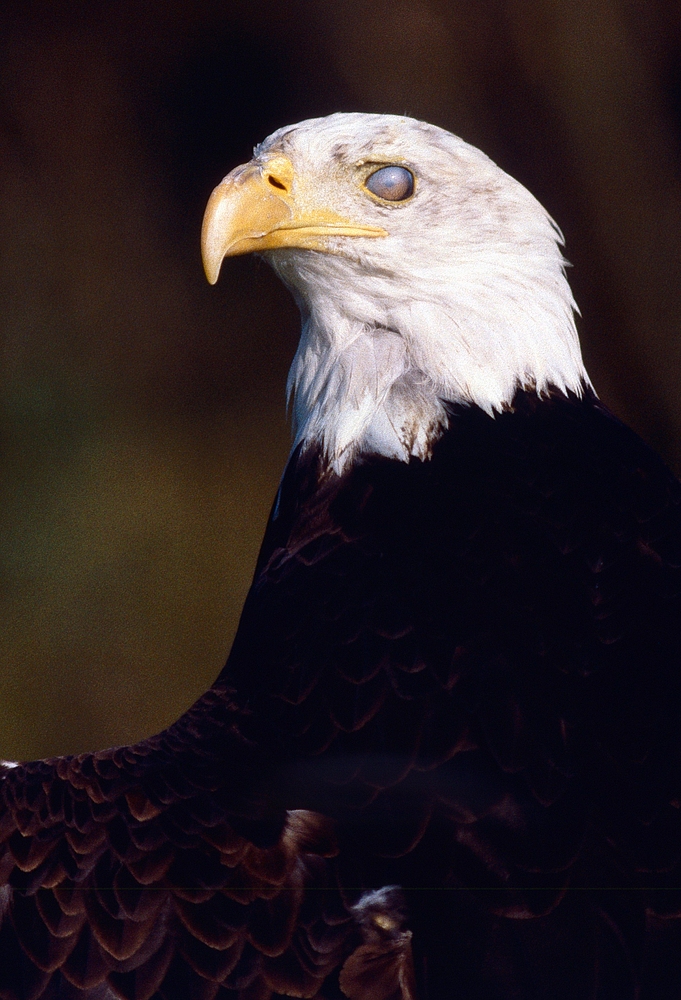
(391, 183)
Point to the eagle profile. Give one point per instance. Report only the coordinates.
(443, 758)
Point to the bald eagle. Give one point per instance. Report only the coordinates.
(443, 758)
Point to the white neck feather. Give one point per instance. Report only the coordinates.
(376, 362)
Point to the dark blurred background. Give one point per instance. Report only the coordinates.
(142, 424)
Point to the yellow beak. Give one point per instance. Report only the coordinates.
(254, 209)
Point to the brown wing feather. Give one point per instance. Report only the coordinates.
(112, 879)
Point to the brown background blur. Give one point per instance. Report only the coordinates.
(142, 427)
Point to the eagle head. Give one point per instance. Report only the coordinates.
(424, 274)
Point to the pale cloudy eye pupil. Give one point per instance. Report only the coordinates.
(391, 183)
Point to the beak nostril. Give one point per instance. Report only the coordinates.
(276, 183)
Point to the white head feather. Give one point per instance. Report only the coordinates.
(465, 300)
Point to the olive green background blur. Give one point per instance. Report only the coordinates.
(142, 423)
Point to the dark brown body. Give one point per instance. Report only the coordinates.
(466, 672)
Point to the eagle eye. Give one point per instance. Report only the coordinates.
(391, 183)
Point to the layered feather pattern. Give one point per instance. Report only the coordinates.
(460, 677)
